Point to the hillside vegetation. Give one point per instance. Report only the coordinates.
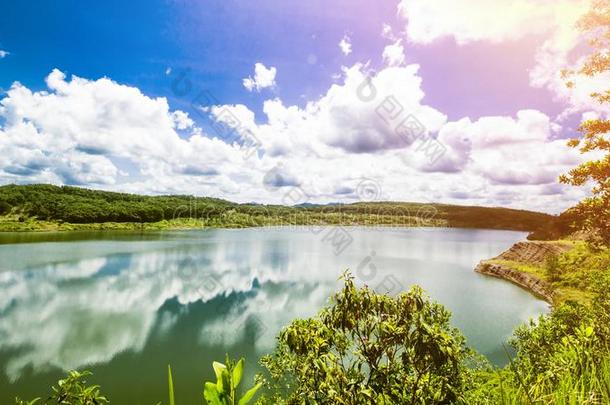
(47, 207)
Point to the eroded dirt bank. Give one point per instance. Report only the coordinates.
(531, 253)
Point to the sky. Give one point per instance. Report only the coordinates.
(290, 102)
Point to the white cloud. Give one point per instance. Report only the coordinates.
(387, 32)
(330, 143)
(182, 120)
(394, 55)
(83, 131)
(343, 119)
(481, 20)
(469, 21)
(4, 54)
(346, 45)
(76, 132)
(509, 151)
(547, 74)
(263, 78)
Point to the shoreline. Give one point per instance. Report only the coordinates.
(535, 286)
(523, 265)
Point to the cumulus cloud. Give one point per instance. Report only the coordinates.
(263, 78)
(182, 120)
(345, 45)
(347, 133)
(428, 21)
(77, 131)
(279, 177)
(387, 32)
(547, 74)
(553, 21)
(4, 54)
(345, 119)
(394, 54)
(488, 144)
(100, 133)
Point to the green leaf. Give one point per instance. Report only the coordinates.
(171, 385)
(224, 383)
(249, 394)
(210, 393)
(238, 371)
(589, 331)
(218, 369)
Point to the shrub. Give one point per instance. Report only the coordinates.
(553, 271)
(224, 391)
(72, 390)
(369, 348)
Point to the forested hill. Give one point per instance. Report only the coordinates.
(82, 206)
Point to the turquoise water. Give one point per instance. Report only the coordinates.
(125, 304)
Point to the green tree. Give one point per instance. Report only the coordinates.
(5, 207)
(369, 348)
(595, 132)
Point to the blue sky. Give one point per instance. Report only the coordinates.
(464, 79)
(217, 41)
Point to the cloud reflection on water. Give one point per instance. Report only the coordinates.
(83, 310)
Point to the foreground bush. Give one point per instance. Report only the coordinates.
(369, 348)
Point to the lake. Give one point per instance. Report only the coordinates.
(125, 304)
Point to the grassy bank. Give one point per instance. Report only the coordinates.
(228, 219)
(570, 274)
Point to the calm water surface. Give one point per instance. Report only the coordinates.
(124, 305)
